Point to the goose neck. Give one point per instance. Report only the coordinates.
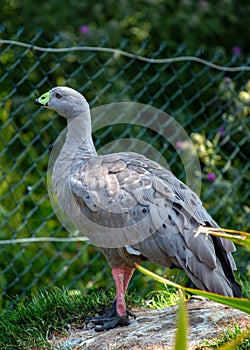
(79, 142)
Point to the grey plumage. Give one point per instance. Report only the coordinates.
(179, 217)
(154, 214)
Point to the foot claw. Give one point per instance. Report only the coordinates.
(117, 321)
(110, 319)
(129, 313)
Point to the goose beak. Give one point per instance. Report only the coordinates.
(37, 101)
(43, 100)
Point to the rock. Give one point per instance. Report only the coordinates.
(155, 329)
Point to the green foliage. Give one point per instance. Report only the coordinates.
(202, 100)
(194, 23)
(161, 298)
(241, 304)
(181, 342)
(231, 339)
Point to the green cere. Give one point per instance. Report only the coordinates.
(44, 99)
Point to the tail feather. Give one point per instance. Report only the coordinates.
(219, 279)
(205, 260)
(226, 265)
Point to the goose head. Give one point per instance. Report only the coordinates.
(65, 101)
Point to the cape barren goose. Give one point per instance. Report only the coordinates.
(134, 209)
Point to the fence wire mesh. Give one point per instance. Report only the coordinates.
(211, 104)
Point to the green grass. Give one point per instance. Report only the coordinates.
(161, 298)
(227, 336)
(245, 284)
(30, 324)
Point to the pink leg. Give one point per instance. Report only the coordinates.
(122, 276)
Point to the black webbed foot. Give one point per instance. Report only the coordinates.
(110, 319)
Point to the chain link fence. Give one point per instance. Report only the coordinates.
(213, 105)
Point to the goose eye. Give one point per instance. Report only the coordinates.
(58, 96)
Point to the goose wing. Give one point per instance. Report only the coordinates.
(129, 192)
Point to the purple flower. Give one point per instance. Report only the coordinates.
(236, 50)
(211, 177)
(221, 131)
(227, 80)
(179, 144)
(203, 3)
(84, 29)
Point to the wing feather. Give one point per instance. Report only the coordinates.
(166, 211)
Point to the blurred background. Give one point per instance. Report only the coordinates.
(212, 105)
